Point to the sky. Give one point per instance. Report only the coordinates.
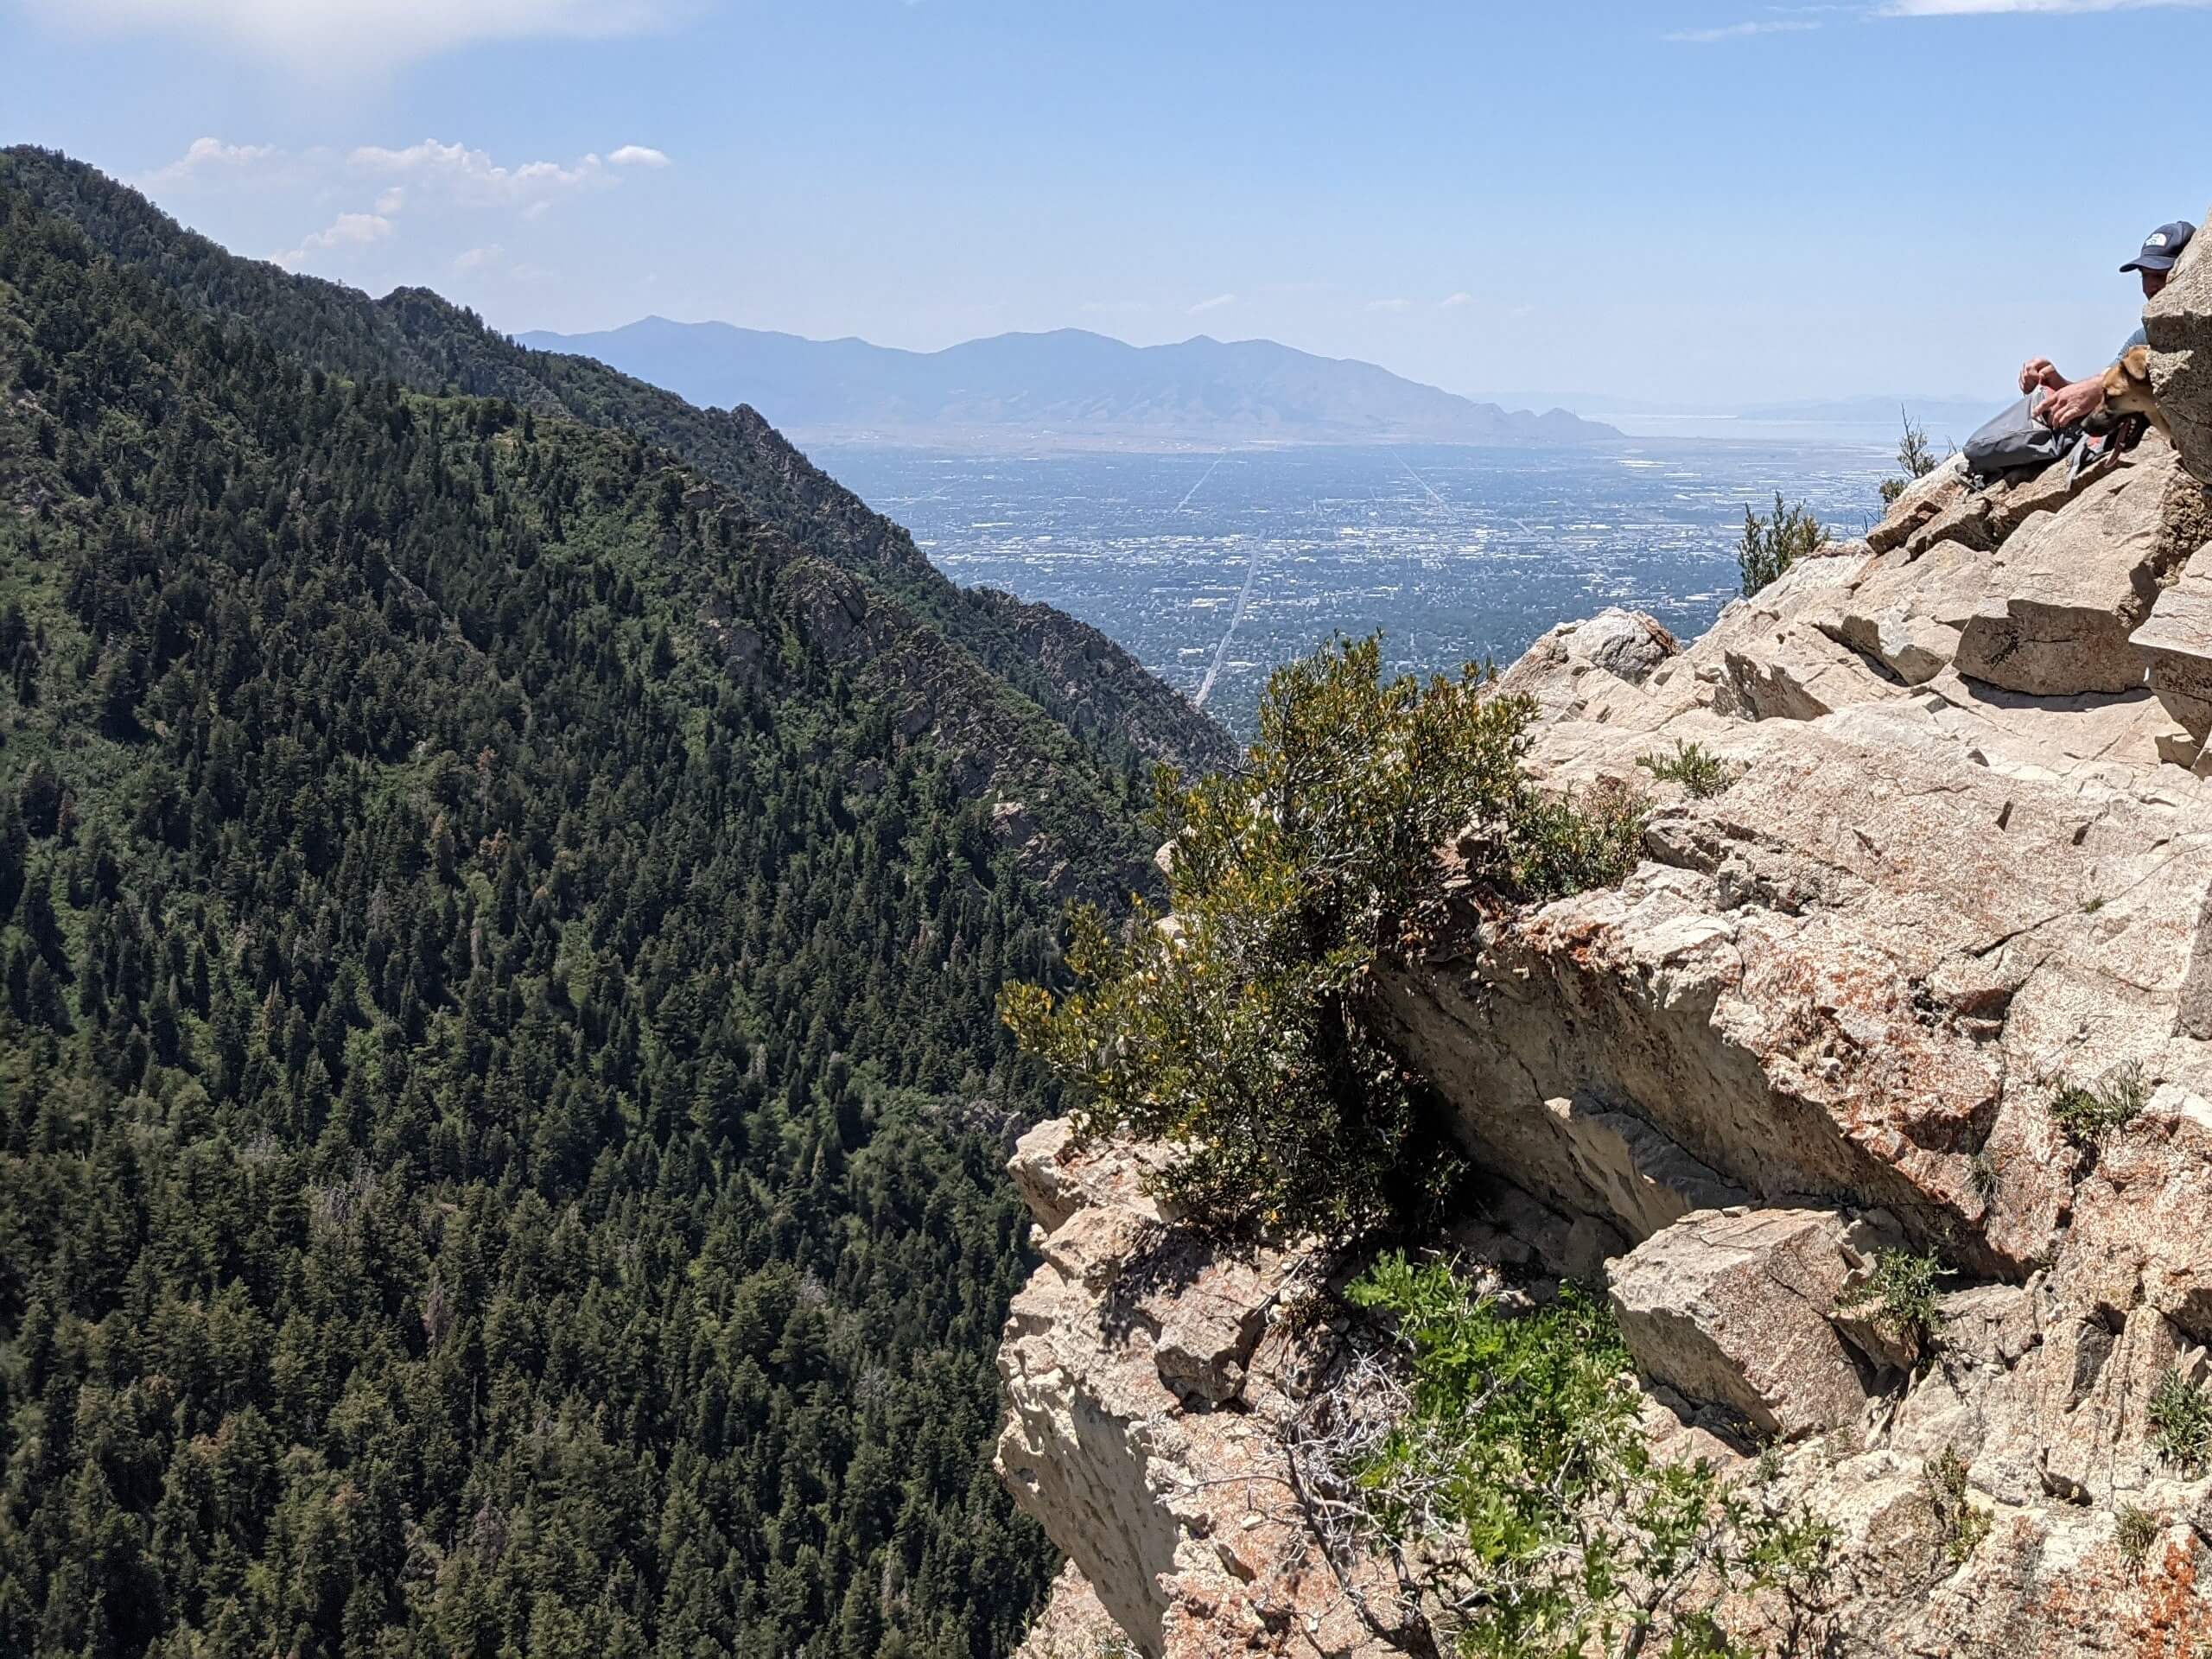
(1688, 204)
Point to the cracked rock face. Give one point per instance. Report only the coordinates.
(2179, 325)
(1960, 863)
(1736, 1309)
(1147, 1378)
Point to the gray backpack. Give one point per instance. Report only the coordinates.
(2016, 439)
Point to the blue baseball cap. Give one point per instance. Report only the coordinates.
(2162, 247)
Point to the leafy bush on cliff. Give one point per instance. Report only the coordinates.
(1696, 768)
(1518, 1472)
(1771, 545)
(1900, 1294)
(1239, 1030)
(2087, 1113)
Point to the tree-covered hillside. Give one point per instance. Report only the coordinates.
(499, 1091)
(1076, 675)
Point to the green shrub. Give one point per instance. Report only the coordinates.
(1771, 545)
(1241, 1032)
(2087, 1113)
(1964, 1522)
(1519, 1471)
(1693, 765)
(1982, 1171)
(2180, 1414)
(2134, 1530)
(1901, 1292)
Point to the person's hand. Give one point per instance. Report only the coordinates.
(2071, 404)
(2040, 371)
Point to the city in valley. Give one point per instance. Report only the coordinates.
(1213, 567)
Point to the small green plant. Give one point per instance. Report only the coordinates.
(1519, 1470)
(1693, 765)
(2134, 1530)
(2180, 1414)
(1982, 1170)
(1964, 1522)
(1916, 460)
(1242, 1034)
(1768, 1469)
(1771, 545)
(2086, 1113)
(1901, 1292)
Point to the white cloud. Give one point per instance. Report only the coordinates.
(1390, 305)
(206, 156)
(408, 176)
(347, 230)
(1741, 31)
(335, 40)
(1213, 304)
(1453, 302)
(476, 259)
(471, 174)
(1986, 8)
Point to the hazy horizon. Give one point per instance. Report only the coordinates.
(1592, 405)
(1693, 203)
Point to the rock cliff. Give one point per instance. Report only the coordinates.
(1946, 884)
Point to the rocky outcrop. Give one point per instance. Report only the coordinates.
(2178, 324)
(2176, 644)
(1736, 1309)
(2063, 594)
(1954, 866)
(1176, 1503)
(1188, 1532)
(1073, 1623)
(1614, 645)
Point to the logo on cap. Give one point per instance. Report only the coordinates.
(2158, 239)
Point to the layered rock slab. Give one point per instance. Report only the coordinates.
(1733, 1308)
(2175, 645)
(1174, 1504)
(2178, 324)
(2065, 591)
(2037, 1390)
(1844, 977)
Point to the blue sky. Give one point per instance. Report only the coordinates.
(1692, 203)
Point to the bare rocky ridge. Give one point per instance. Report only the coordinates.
(1962, 858)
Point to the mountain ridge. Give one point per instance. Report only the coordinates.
(1063, 382)
(1074, 675)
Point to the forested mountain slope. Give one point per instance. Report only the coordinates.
(1071, 670)
(499, 1094)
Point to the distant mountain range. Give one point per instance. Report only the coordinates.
(1065, 385)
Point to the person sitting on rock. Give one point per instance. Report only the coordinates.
(2073, 401)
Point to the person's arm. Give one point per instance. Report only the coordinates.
(2040, 371)
(2072, 402)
